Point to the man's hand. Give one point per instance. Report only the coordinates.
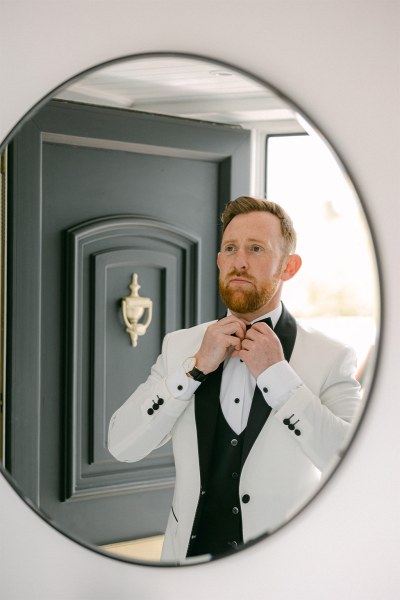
(260, 349)
(218, 340)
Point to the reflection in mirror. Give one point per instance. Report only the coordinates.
(126, 171)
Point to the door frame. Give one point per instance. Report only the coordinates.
(104, 127)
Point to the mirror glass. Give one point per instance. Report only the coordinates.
(125, 171)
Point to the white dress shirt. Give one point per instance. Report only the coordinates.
(277, 383)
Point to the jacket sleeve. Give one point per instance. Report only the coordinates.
(136, 428)
(321, 421)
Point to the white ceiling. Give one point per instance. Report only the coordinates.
(184, 87)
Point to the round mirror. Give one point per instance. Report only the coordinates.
(112, 190)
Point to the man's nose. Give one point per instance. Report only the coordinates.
(241, 260)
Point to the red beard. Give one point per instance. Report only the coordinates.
(247, 300)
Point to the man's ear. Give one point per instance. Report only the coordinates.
(293, 264)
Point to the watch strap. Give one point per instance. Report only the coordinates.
(197, 375)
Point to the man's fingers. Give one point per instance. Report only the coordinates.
(235, 342)
(261, 327)
(257, 329)
(246, 344)
(233, 327)
(240, 331)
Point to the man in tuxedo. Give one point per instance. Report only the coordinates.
(258, 407)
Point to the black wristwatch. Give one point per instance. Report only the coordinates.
(191, 370)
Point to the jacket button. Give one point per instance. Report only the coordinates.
(235, 510)
(150, 411)
(237, 400)
(180, 387)
(287, 420)
(246, 498)
(297, 431)
(234, 442)
(265, 390)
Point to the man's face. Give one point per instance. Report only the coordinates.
(251, 263)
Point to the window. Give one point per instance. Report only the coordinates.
(336, 288)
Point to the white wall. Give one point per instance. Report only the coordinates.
(340, 61)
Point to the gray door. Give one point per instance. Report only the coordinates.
(95, 195)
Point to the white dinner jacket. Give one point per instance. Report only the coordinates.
(282, 471)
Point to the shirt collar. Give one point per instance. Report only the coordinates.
(274, 315)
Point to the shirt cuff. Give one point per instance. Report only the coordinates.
(278, 383)
(180, 386)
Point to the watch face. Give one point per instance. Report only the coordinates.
(189, 364)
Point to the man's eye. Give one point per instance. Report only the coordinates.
(229, 249)
(256, 249)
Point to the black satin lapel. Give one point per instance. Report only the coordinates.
(259, 413)
(206, 407)
(286, 330)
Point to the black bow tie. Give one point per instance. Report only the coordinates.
(268, 321)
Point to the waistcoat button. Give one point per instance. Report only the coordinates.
(246, 498)
(235, 510)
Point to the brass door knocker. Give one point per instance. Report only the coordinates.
(133, 308)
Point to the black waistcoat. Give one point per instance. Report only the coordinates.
(217, 526)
